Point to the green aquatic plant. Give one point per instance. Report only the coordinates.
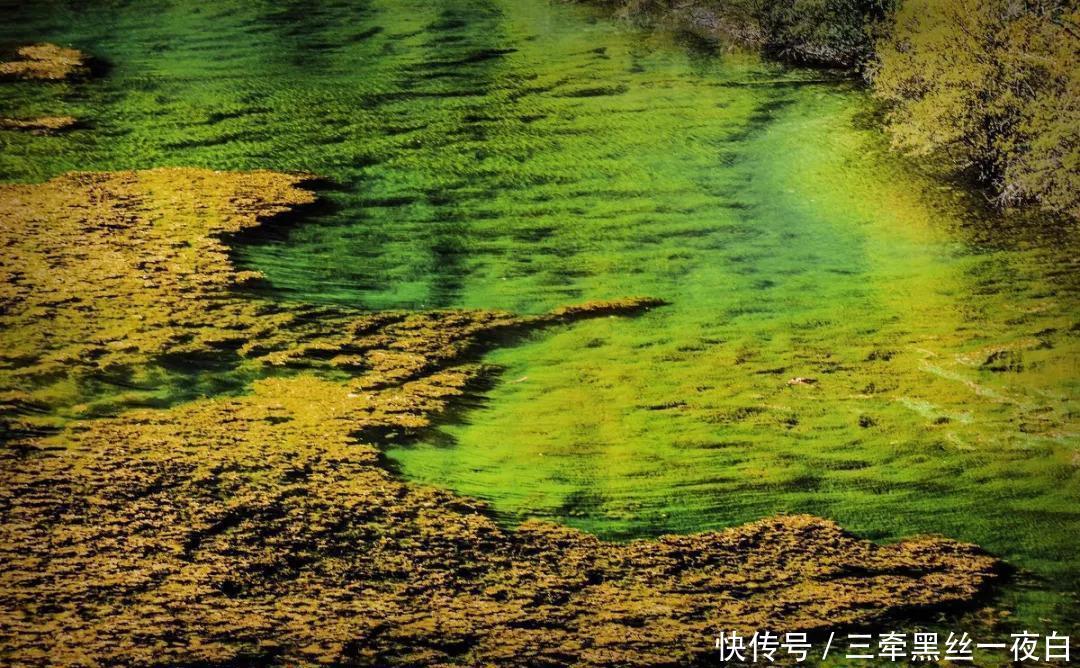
(988, 89)
(522, 155)
(43, 62)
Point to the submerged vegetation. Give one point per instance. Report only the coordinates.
(262, 527)
(988, 89)
(229, 439)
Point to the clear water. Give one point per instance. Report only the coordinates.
(521, 154)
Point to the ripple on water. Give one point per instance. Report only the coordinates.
(522, 155)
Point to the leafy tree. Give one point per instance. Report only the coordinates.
(993, 88)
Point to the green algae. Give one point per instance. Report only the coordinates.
(592, 163)
(42, 62)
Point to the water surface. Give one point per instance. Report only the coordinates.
(525, 155)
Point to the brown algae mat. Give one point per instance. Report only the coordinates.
(261, 528)
(42, 125)
(43, 62)
(47, 62)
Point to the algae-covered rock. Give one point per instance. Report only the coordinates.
(47, 62)
(261, 528)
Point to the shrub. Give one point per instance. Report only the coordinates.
(993, 88)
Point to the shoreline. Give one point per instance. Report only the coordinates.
(1007, 131)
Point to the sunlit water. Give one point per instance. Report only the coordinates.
(524, 155)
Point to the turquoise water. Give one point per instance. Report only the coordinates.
(525, 155)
